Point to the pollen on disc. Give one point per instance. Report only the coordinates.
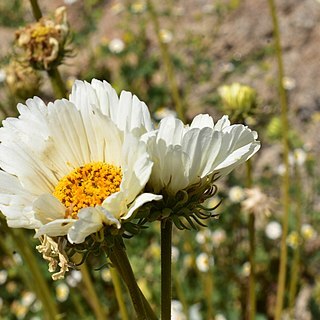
(88, 186)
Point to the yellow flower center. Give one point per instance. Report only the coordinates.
(87, 186)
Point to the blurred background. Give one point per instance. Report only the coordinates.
(195, 46)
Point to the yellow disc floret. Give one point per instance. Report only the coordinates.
(87, 186)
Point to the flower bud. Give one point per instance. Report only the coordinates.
(238, 100)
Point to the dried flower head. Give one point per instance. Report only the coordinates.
(21, 80)
(44, 42)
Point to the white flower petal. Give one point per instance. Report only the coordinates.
(16, 203)
(90, 220)
(201, 121)
(48, 208)
(139, 201)
(55, 228)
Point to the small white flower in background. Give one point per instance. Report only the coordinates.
(106, 275)
(35, 318)
(293, 239)
(220, 316)
(116, 45)
(3, 276)
(208, 8)
(227, 67)
(288, 83)
(273, 230)
(62, 292)
(69, 2)
(308, 232)
(163, 112)
(28, 298)
(218, 236)
(203, 236)
(166, 36)
(257, 202)
(36, 306)
(175, 254)
(117, 8)
(236, 194)
(194, 312)
(139, 6)
(204, 262)
(2, 75)
(246, 268)
(17, 258)
(281, 169)
(300, 156)
(74, 278)
(177, 311)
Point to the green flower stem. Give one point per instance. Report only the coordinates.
(180, 292)
(75, 298)
(119, 294)
(36, 9)
(40, 285)
(173, 86)
(285, 181)
(252, 252)
(120, 260)
(209, 284)
(166, 244)
(91, 294)
(58, 86)
(296, 255)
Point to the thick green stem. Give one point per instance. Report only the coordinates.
(285, 181)
(166, 245)
(120, 260)
(91, 294)
(252, 252)
(119, 294)
(173, 86)
(36, 9)
(40, 285)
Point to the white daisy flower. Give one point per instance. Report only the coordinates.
(204, 262)
(273, 230)
(75, 166)
(183, 155)
(188, 159)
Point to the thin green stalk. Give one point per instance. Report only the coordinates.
(77, 304)
(4, 110)
(208, 284)
(119, 294)
(120, 260)
(91, 294)
(296, 255)
(285, 181)
(36, 9)
(180, 292)
(58, 86)
(40, 285)
(173, 86)
(166, 246)
(252, 252)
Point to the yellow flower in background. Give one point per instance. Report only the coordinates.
(238, 100)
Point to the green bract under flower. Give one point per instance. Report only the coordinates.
(188, 160)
